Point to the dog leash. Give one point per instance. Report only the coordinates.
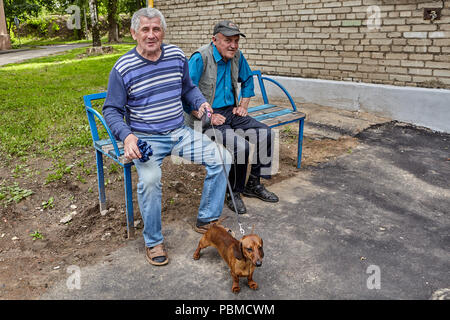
(207, 121)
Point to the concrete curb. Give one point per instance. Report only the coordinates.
(420, 106)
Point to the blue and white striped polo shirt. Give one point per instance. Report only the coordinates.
(149, 94)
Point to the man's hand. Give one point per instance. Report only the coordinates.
(241, 109)
(217, 119)
(204, 107)
(130, 148)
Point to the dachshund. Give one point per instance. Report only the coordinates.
(241, 256)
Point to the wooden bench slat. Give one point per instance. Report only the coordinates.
(101, 143)
(124, 160)
(273, 114)
(261, 107)
(293, 116)
(107, 147)
(288, 118)
(266, 111)
(105, 142)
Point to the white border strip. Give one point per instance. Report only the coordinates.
(420, 106)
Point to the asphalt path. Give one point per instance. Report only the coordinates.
(19, 55)
(371, 224)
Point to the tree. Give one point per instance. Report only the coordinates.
(96, 41)
(113, 30)
(23, 9)
(20, 9)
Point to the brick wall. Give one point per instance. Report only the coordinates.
(326, 39)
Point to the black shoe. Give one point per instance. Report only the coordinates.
(239, 203)
(259, 191)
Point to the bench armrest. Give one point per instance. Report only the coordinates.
(262, 88)
(92, 114)
(294, 107)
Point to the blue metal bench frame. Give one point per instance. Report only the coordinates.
(110, 148)
(269, 114)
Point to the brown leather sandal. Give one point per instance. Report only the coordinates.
(158, 251)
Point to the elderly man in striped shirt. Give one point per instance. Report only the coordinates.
(147, 87)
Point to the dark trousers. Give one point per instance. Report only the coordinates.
(236, 134)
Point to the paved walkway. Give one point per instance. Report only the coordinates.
(19, 55)
(371, 224)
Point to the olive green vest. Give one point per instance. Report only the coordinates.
(207, 83)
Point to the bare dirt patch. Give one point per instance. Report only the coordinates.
(36, 247)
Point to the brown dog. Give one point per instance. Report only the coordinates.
(241, 256)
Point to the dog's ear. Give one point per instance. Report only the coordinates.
(261, 251)
(237, 251)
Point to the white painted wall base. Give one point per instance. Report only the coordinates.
(420, 106)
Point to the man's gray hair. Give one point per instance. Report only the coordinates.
(149, 13)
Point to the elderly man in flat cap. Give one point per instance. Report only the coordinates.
(216, 68)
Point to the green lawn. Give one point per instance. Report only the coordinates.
(41, 106)
(33, 42)
(30, 42)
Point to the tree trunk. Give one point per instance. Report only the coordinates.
(96, 41)
(113, 30)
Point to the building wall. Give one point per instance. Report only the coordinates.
(326, 39)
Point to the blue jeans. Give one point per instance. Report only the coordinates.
(190, 145)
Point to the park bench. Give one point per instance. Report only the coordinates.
(271, 115)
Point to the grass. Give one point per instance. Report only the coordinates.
(36, 235)
(12, 192)
(50, 203)
(41, 107)
(34, 42)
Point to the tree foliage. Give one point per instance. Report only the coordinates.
(20, 9)
(110, 9)
(130, 6)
